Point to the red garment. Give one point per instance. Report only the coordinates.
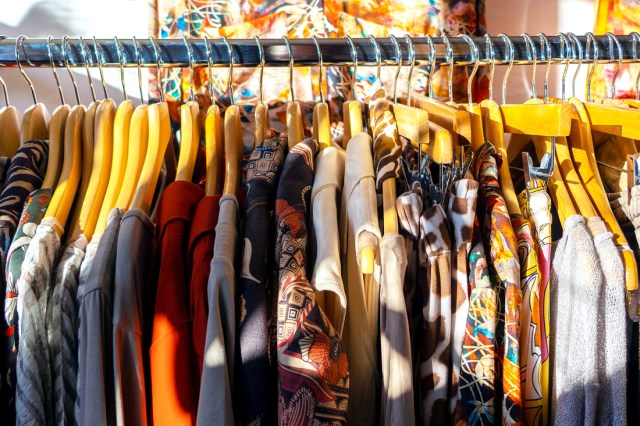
(201, 241)
(174, 384)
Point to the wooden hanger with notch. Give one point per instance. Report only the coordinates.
(232, 138)
(352, 109)
(262, 125)
(35, 120)
(295, 126)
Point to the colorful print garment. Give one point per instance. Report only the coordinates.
(476, 394)
(313, 373)
(536, 206)
(501, 244)
(255, 379)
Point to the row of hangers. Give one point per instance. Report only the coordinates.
(115, 153)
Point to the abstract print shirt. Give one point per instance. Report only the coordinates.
(255, 373)
(313, 374)
(502, 245)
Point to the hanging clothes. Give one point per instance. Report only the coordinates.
(360, 229)
(256, 373)
(313, 374)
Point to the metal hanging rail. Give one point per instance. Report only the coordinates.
(335, 51)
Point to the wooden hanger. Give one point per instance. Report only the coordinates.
(232, 137)
(9, 126)
(261, 127)
(214, 142)
(295, 126)
(321, 123)
(35, 120)
(63, 196)
(352, 109)
(56, 144)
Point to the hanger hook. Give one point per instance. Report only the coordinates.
(354, 59)
(20, 42)
(376, 47)
(53, 68)
(315, 41)
(532, 56)
(508, 57)
(412, 60)
(231, 64)
(286, 41)
(6, 92)
(547, 55)
(636, 37)
(86, 59)
(207, 48)
(394, 40)
(491, 55)
(449, 59)
(565, 52)
(190, 56)
(475, 60)
(65, 43)
(100, 58)
(612, 38)
(576, 48)
(136, 50)
(432, 63)
(592, 66)
(156, 52)
(123, 62)
(261, 54)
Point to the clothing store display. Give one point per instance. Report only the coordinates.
(217, 385)
(174, 399)
(96, 382)
(360, 229)
(426, 269)
(256, 375)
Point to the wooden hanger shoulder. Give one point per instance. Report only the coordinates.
(295, 126)
(214, 146)
(189, 141)
(138, 139)
(413, 123)
(261, 123)
(322, 125)
(35, 123)
(56, 142)
(9, 131)
(352, 113)
(232, 151)
(477, 131)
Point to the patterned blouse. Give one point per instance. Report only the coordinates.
(313, 374)
(502, 245)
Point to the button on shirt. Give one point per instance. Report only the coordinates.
(174, 397)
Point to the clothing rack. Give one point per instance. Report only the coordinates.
(335, 51)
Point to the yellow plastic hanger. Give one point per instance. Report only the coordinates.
(232, 138)
(352, 109)
(137, 143)
(35, 120)
(189, 131)
(412, 122)
(159, 137)
(214, 142)
(120, 132)
(9, 126)
(295, 126)
(321, 122)
(261, 128)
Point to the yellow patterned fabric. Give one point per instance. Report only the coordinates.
(619, 17)
(306, 18)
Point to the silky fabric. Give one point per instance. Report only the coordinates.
(360, 229)
(502, 246)
(217, 384)
(460, 215)
(34, 390)
(130, 355)
(63, 323)
(201, 239)
(386, 141)
(174, 397)
(435, 248)
(536, 206)
(5, 162)
(476, 395)
(325, 199)
(24, 174)
(395, 339)
(95, 402)
(313, 373)
(254, 399)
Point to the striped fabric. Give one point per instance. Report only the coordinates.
(386, 142)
